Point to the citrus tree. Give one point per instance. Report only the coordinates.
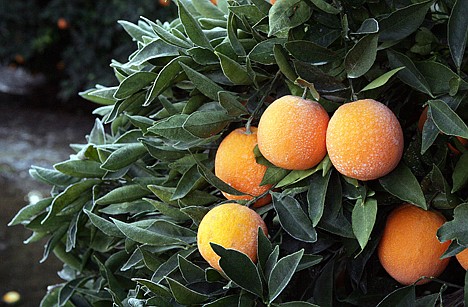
(250, 154)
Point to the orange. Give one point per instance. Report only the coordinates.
(409, 248)
(62, 23)
(272, 1)
(164, 2)
(232, 226)
(462, 258)
(291, 133)
(235, 164)
(364, 140)
(215, 2)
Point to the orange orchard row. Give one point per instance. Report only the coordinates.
(364, 140)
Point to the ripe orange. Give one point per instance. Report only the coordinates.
(291, 133)
(364, 140)
(272, 1)
(215, 2)
(409, 247)
(462, 258)
(62, 23)
(235, 164)
(232, 226)
(164, 2)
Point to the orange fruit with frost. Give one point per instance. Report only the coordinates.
(364, 140)
(235, 164)
(462, 258)
(232, 226)
(62, 23)
(409, 248)
(291, 133)
(164, 2)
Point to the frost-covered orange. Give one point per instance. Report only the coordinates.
(364, 140)
(409, 247)
(291, 133)
(232, 226)
(235, 164)
(463, 258)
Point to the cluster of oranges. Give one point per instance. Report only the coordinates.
(363, 139)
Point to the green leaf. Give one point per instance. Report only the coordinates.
(104, 95)
(402, 183)
(410, 74)
(165, 77)
(264, 248)
(30, 211)
(51, 299)
(293, 219)
(404, 297)
(124, 156)
(204, 124)
(363, 220)
(460, 173)
(233, 40)
(134, 83)
(104, 225)
(186, 183)
(122, 194)
(368, 26)
(382, 80)
(316, 196)
(172, 129)
(168, 210)
(193, 28)
(215, 181)
(170, 38)
(206, 86)
(230, 300)
(325, 285)
(310, 52)
(325, 7)
(184, 295)
(231, 104)
(145, 236)
(456, 32)
(263, 51)
(191, 272)
(286, 15)
(296, 304)
(171, 264)
(438, 76)
(134, 30)
(403, 22)
(69, 288)
(81, 168)
(154, 50)
(281, 59)
(235, 72)
(282, 273)
(230, 262)
(446, 119)
(456, 228)
(361, 57)
(296, 176)
(196, 213)
(156, 288)
(51, 176)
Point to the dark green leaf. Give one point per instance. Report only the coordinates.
(81, 168)
(123, 194)
(230, 262)
(456, 32)
(324, 285)
(193, 28)
(368, 26)
(154, 50)
(195, 213)
(134, 83)
(363, 220)
(134, 30)
(325, 7)
(171, 128)
(296, 304)
(438, 76)
(186, 183)
(233, 40)
(97, 135)
(170, 265)
(168, 210)
(286, 15)
(30, 211)
(231, 104)
(282, 273)
(215, 181)
(361, 57)
(456, 228)
(207, 9)
(124, 156)
(191, 272)
(170, 38)
(310, 52)
(51, 176)
(403, 22)
(263, 52)
(144, 236)
(316, 196)
(206, 86)
(293, 219)
(104, 225)
(206, 124)
(410, 74)
(230, 300)
(402, 183)
(282, 61)
(460, 173)
(235, 72)
(446, 119)
(184, 295)
(404, 297)
(156, 288)
(264, 248)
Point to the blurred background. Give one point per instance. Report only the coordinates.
(50, 51)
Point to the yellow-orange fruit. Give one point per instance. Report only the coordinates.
(364, 140)
(272, 1)
(291, 133)
(235, 164)
(463, 258)
(215, 2)
(232, 226)
(409, 248)
(62, 23)
(164, 2)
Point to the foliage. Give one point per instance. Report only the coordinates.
(71, 42)
(124, 209)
